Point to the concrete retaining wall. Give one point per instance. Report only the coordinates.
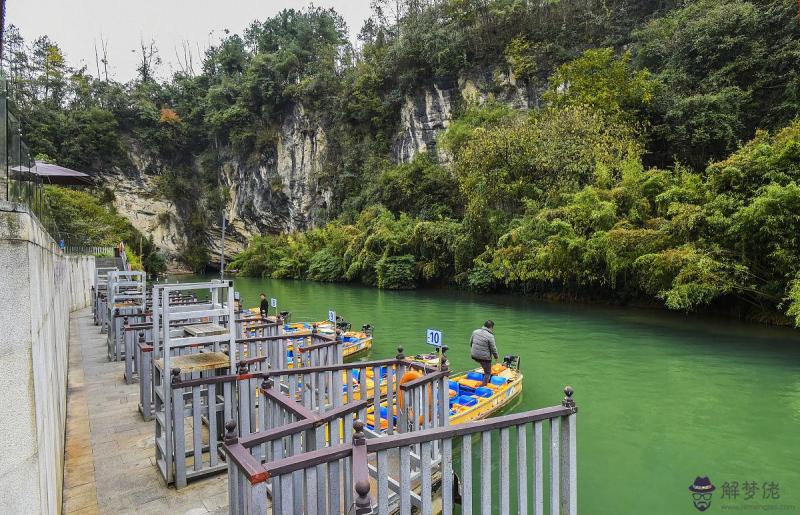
(39, 286)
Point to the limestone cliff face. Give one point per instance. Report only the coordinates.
(274, 192)
(429, 112)
(422, 118)
(136, 198)
(279, 191)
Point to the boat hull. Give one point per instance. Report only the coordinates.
(362, 346)
(485, 407)
(488, 406)
(360, 342)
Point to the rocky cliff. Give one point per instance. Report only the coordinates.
(429, 112)
(137, 198)
(278, 190)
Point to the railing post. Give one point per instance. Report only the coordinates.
(363, 502)
(145, 379)
(444, 403)
(137, 364)
(243, 397)
(402, 420)
(122, 341)
(569, 468)
(178, 437)
(231, 438)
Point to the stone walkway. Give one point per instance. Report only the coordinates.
(109, 448)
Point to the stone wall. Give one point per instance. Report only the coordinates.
(39, 287)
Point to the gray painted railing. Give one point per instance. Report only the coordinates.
(537, 452)
(99, 290)
(145, 352)
(322, 390)
(89, 250)
(320, 384)
(208, 398)
(140, 324)
(201, 352)
(220, 381)
(126, 295)
(291, 431)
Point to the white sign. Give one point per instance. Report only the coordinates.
(332, 316)
(273, 303)
(434, 338)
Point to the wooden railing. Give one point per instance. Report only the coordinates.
(126, 295)
(291, 430)
(209, 397)
(544, 470)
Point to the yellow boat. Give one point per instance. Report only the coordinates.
(354, 342)
(369, 385)
(468, 400)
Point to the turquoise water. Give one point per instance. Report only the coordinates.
(662, 397)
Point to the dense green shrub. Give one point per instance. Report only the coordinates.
(325, 267)
(396, 272)
(83, 218)
(420, 188)
(481, 280)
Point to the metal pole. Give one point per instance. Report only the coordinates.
(222, 251)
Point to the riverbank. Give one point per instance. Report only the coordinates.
(721, 311)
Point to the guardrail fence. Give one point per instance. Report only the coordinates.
(537, 454)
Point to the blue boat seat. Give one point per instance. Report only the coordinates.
(467, 400)
(466, 390)
(483, 392)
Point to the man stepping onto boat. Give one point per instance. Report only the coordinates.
(484, 348)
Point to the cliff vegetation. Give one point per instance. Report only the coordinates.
(629, 151)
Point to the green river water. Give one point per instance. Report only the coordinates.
(662, 397)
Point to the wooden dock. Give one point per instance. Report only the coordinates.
(236, 427)
(110, 449)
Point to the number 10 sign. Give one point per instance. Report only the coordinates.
(434, 337)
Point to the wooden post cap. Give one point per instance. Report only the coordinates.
(230, 432)
(568, 401)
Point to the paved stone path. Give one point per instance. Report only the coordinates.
(110, 454)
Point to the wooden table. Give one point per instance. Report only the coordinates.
(197, 362)
(204, 329)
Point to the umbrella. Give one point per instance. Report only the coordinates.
(55, 174)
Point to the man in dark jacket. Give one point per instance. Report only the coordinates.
(484, 348)
(263, 307)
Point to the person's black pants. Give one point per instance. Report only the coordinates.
(487, 369)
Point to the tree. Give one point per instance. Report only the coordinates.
(149, 60)
(725, 68)
(49, 67)
(603, 82)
